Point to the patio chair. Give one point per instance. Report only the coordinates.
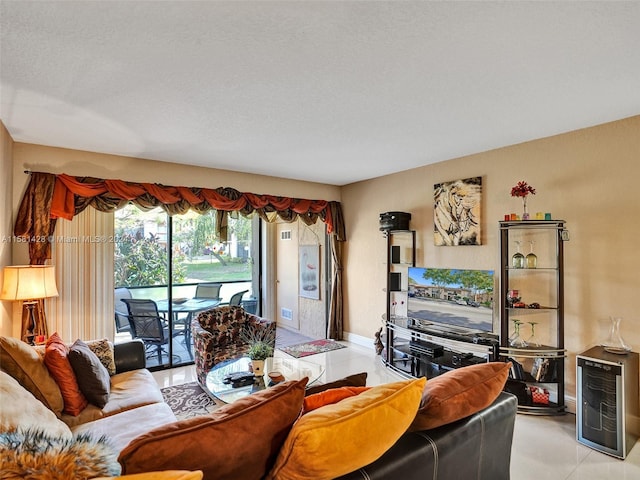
(208, 290)
(120, 309)
(218, 336)
(236, 298)
(149, 326)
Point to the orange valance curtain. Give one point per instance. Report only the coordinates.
(49, 197)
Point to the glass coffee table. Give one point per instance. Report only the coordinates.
(290, 368)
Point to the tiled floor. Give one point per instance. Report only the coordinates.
(544, 448)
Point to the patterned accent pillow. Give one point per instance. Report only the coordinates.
(104, 351)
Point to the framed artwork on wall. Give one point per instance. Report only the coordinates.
(309, 269)
(456, 216)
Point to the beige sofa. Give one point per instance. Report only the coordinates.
(31, 398)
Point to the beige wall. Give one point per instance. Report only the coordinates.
(588, 178)
(6, 221)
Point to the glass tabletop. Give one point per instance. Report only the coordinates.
(290, 368)
(190, 305)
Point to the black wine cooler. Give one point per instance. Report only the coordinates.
(607, 400)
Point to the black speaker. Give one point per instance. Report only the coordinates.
(395, 282)
(394, 221)
(395, 253)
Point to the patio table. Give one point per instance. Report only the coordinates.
(191, 306)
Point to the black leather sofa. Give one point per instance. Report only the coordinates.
(477, 447)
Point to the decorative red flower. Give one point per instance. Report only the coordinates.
(522, 189)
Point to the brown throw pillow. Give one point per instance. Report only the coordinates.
(460, 393)
(92, 376)
(355, 380)
(239, 441)
(57, 362)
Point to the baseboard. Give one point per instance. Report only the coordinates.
(358, 340)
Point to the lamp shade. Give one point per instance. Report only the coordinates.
(28, 282)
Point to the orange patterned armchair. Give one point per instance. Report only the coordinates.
(217, 336)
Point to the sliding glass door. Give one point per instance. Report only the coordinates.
(176, 267)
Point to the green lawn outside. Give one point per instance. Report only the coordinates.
(216, 272)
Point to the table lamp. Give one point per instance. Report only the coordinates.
(29, 283)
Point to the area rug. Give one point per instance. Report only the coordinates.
(189, 400)
(286, 337)
(312, 348)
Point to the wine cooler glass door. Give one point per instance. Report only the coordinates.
(600, 403)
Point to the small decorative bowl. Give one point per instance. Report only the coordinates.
(275, 378)
(179, 301)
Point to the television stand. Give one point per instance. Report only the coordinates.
(422, 351)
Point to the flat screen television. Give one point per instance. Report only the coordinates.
(455, 300)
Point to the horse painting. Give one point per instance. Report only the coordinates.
(457, 212)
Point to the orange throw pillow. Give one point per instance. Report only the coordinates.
(459, 393)
(57, 362)
(329, 397)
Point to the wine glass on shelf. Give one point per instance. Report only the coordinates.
(532, 341)
(531, 259)
(517, 261)
(515, 340)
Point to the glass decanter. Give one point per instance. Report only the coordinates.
(615, 343)
(517, 261)
(531, 259)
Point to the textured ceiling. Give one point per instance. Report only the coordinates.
(331, 92)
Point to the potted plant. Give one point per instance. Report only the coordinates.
(260, 341)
